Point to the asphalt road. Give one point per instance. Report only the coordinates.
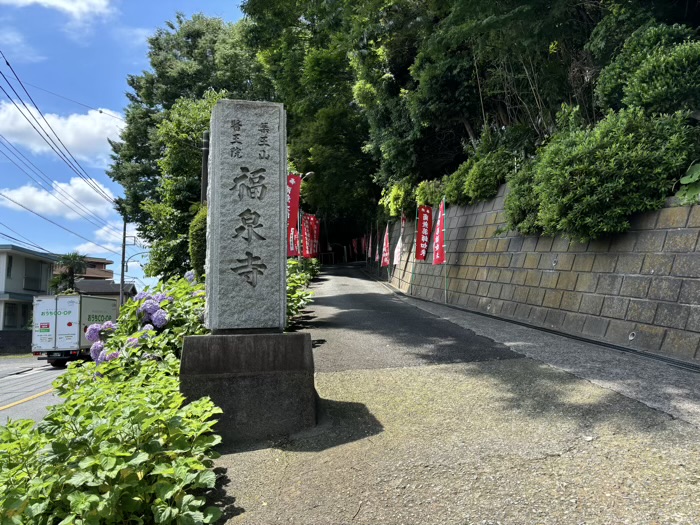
(433, 416)
(25, 385)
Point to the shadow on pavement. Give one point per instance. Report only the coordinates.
(217, 496)
(376, 330)
(339, 422)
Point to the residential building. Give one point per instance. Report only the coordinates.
(24, 274)
(102, 288)
(96, 269)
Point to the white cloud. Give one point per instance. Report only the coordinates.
(76, 9)
(41, 200)
(85, 135)
(110, 237)
(16, 47)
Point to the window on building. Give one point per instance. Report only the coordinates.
(10, 315)
(33, 275)
(9, 266)
(26, 317)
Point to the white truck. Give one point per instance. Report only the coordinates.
(60, 322)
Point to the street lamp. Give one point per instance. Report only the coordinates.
(308, 174)
(125, 264)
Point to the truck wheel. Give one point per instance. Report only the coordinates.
(58, 364)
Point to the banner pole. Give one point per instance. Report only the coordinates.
(415, 249)
(444, 244)
(388, 268)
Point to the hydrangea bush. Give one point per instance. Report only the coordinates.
(123, 447)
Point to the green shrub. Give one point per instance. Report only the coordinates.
(431, 192)
(123, 447)
(668, 80)
(311, 266)
(487, 174)
(198, 241)
(399, 196)
(609, 35)
(689, 192)
(522, 203)
(590, 181)
(454, 184)
(646, 44)
(298, 297)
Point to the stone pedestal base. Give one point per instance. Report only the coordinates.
(264, 383)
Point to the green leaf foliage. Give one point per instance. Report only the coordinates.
(198, 241)
(589, 181)
(124, 446)
(641, 53)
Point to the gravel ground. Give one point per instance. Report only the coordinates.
(455, 437)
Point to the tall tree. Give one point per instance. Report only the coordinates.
(188, 57)
(69, 266)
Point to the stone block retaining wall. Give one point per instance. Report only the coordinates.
(640, 289)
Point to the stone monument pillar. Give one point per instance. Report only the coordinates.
(260, 377)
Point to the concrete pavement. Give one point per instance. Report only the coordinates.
(435, 416)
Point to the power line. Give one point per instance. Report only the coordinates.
(101, 111)
(51, 185)
(29, 241)
(56, 224)
(74, 165)
(22, 243)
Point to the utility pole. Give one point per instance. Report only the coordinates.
(121, 281)
(205, 166)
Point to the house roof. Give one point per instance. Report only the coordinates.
(101, 287)
(48, 257)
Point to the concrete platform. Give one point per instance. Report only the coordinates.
(264, 383)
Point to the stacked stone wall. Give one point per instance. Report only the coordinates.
(640, 289)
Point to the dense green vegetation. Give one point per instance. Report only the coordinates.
(123, 447)
(399, 101)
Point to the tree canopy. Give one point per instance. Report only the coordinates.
(407, 99)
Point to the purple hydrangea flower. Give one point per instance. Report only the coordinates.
(92, 333)
(108, 326)
(198, 293)
(101, 358)
(160, 318)
(149, 307)
(160, 297)
(142, 295)
(147, 327)
(96, 349)
(112, 356)
(189, 275)
(132, 342)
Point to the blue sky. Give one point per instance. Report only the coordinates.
(82, 50)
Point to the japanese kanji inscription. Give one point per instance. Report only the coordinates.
(246, 241)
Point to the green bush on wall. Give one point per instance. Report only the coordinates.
(198, 241)
(589, 181)
(642, 53)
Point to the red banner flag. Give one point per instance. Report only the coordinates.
(354, 246)
(311, 229)
(439, 236)
(293, 191)
(385, 250)
(424, 225)
(376, 253)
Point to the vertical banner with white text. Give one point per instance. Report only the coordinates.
(293, 192)
(424, 225)
(386, 248)
(439, 236)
